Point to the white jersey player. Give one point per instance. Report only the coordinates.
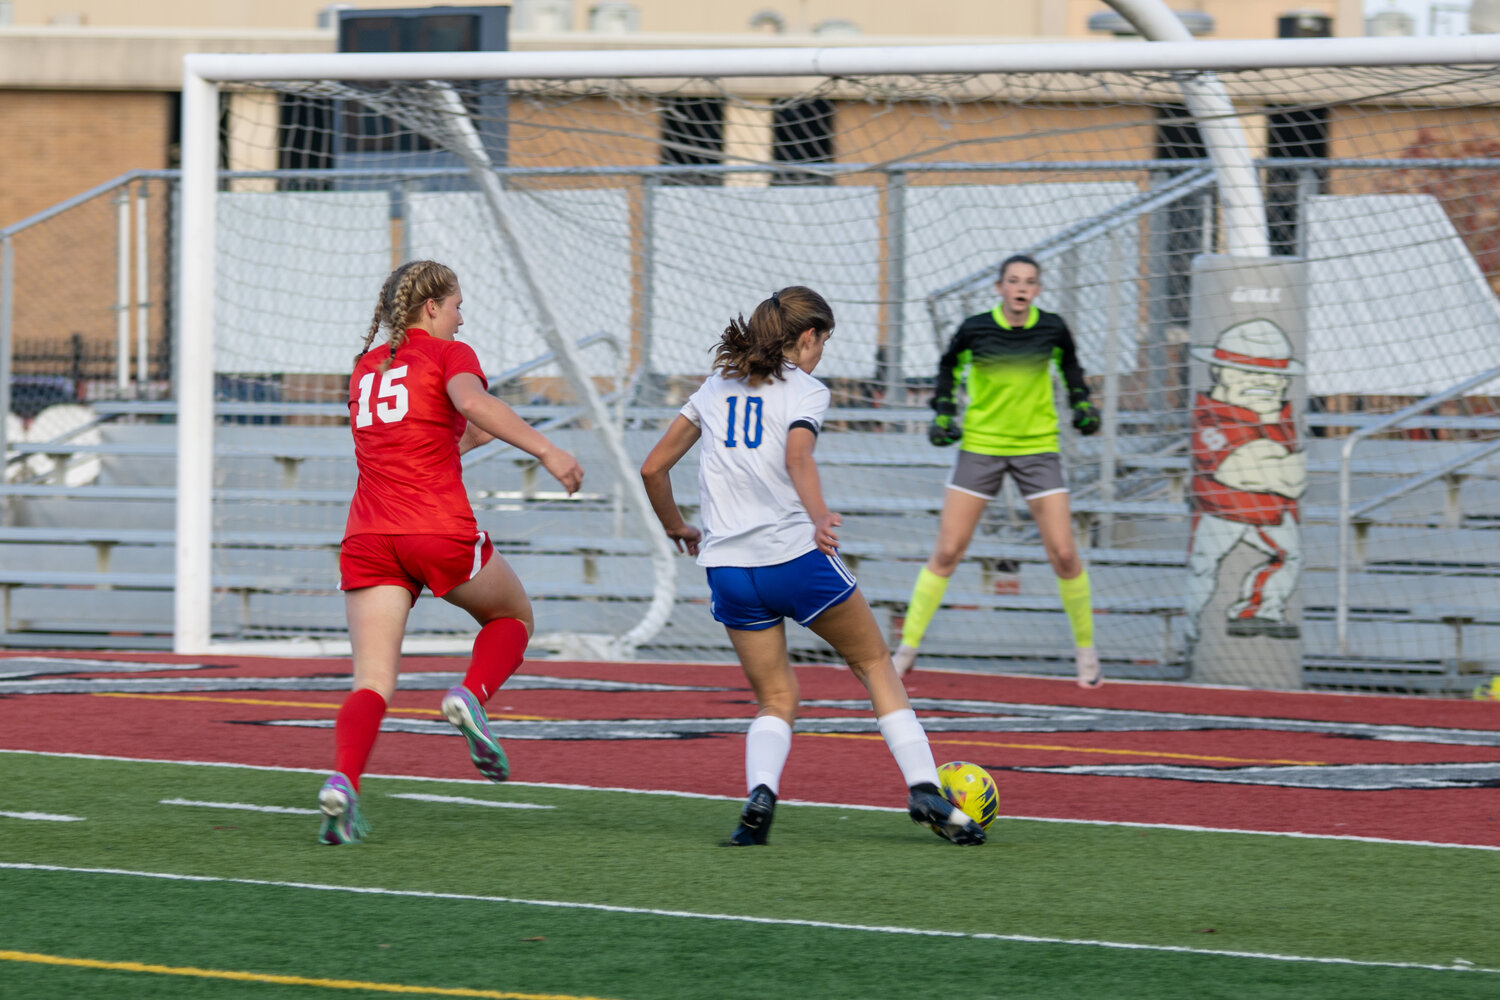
(771, 550)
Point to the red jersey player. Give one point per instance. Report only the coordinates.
(416, 403)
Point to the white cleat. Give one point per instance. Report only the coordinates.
(1090, 674)
(904, 659)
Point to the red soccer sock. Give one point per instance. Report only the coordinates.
(498, 650)
(354, 732)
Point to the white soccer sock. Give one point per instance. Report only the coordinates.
(766, 747)
(908, 743)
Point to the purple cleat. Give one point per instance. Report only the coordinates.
(463, 710)
(342, 821)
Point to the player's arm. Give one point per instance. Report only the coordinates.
(803, 470)
(656, 471)
(945, 429)
(1085, 415)
(472, 438)
(499, 421)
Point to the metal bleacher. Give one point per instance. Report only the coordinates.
(92, 565)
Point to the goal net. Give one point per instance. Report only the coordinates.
(606, 228)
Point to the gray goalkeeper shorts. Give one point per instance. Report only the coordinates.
(982, 475)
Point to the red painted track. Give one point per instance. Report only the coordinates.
(212, 726)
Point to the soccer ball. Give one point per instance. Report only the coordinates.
(1488, 691)
(971, 788)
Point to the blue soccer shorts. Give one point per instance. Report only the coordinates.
(752, 598)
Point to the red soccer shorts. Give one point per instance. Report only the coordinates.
(440, 562)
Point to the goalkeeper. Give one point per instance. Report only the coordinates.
(1010, 426)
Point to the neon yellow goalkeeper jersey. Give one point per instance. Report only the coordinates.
(1006, 373)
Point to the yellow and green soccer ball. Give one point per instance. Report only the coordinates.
(971, 788)
(1489, 690)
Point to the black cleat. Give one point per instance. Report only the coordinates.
(755, 819)
(928, 807)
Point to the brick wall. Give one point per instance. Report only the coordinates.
(63, 142)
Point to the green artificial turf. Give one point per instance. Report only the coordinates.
(866, 869)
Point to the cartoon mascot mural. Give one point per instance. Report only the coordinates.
(1248, 475)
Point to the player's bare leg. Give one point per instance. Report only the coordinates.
(961, 513)
(851, 629)
(1054, 520)
(497, 600)
(495, 592)
(377, 621)
(763, 656)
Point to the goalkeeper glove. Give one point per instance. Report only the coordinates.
(944, 430)
(1085, 418)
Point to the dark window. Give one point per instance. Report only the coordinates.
(1177, 135)
(1177, 230)
(306, 139)
(692, 134)
(371, 139)
(174, 130)
(1293, 133)
(802, 133)
(366, 132)
(364, 32)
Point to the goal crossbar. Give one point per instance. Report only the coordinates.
(851, 60)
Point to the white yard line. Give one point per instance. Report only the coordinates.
(1459, 965)
(790, 802)
(461, 801)
(246, 806)
(44, 817)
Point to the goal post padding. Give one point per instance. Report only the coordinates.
(650, 197)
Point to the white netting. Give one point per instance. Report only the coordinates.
(650, 212)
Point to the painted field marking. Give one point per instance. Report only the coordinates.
(1070, 749)
(280, 980)
(30, 666)
(246, 806)
(674, 793)
(460, 800)
(299, 704)
(1458, 965)
(841, 736)
(43, 817)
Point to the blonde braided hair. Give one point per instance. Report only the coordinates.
(401, 299)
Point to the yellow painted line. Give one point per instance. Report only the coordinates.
(1110, 751)
(262, 977)
(294, 704)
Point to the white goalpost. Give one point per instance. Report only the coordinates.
(641, 199)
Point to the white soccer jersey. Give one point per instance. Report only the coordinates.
(750, 511)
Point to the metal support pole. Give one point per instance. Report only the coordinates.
(891, 374)
(142, 294)
(403, 193)
(1158, 310)
(122, 292)
(7, 315)
(1113, 345)
(1308, 184)
(645, 263)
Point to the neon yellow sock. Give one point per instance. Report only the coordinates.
(1079, 606)
(926, 595)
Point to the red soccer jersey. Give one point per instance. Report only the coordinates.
(1219, 429)
(406, 433)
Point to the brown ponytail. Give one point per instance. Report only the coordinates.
(756, 351)
(401, 299)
